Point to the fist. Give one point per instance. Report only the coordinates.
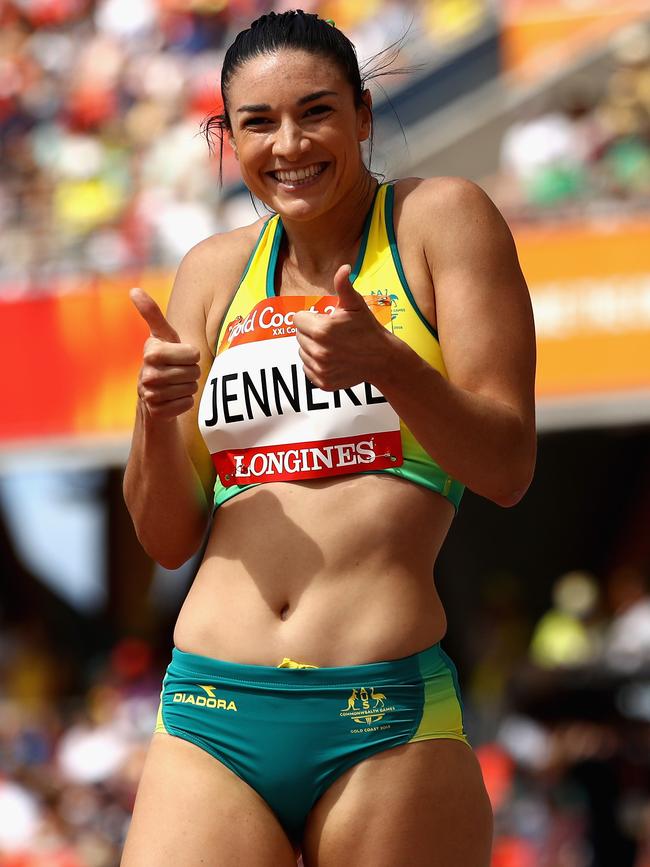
(170, 372)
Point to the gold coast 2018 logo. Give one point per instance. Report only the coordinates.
(367, 707)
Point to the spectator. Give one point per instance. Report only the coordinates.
(627, 640)
(568, 634)
(101, 165)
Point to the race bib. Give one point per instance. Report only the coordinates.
(264, 421)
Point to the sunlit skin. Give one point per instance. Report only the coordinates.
(333, 571)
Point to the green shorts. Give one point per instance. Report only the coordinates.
(290, 732)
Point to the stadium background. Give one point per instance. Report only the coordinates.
(105, 184)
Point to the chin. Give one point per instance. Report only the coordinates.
(300, 211)
(296, 210)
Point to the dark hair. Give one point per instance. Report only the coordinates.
(297, 30)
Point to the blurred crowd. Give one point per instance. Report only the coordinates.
(70, 761)
(103, 168)
(102, 165)
(559, 712)
(589, 150)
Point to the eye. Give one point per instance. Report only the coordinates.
(256, 121)
(317, 109)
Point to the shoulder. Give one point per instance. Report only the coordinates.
(441, 191)
(220, 259)
(211, 270)
(453, 219)
(447, 201)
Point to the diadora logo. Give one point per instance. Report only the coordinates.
(208, 700)
(367, 707)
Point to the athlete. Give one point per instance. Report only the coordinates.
(323, 386)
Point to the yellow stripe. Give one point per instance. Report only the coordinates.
(160, 722)
(441, 716)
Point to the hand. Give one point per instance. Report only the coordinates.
(170, 369)
(344, 348)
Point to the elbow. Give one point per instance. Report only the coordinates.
(171, 562)
(171, 555)
(503, 496)
(518, 482)
(510, 499)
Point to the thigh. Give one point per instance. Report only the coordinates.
(192, 810)
(422, 804)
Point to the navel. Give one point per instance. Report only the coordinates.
(284, 614)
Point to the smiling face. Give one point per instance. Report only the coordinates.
(296, 132)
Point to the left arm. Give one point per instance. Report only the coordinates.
(479, 424)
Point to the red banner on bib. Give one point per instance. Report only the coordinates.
(300, 461)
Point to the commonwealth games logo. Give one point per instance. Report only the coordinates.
(366, 706)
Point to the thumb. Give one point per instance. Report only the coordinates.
(349, 298)
(153, 316)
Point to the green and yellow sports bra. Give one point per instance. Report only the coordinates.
(264, 421)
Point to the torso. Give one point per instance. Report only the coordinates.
(327, 572)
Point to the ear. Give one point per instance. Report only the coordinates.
(365, 116)
(233, 145)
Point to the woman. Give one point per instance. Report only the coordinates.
(308, 703)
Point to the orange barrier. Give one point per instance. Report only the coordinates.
(537, 34)
(590, 286)
(68, 363)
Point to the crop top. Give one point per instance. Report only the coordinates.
(262, 419)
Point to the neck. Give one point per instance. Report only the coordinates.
(319, 247)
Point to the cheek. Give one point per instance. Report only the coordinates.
(248, 157)
(252, 173)
(251, 149)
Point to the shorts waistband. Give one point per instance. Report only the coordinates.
(405, 668)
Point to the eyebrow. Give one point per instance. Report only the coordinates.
(264, 106)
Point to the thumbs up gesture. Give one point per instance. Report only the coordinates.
(344, 348)
(349, 298)
(170, 369)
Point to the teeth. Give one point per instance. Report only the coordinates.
(298, 175)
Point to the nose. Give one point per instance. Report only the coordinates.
(290, 141)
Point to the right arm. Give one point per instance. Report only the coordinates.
(169, 475)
